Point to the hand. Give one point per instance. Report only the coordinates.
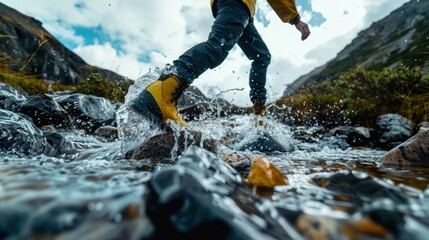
(303, 28)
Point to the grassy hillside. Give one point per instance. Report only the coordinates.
(29, 84)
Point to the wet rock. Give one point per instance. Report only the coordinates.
(394, 129)
(309, 147)
(352, 135)
(203, 196)
(318, 228)
(363, 187)
(334, 143)
(43, 110)
(88, 112)
(265, 174)
(368, 226)
(56, 141)
(18, 134)
(304, 134)
(385, 212)
(237, 161)
(48, 128)
(414, 152)
(108, 132)
(265, 143)
(192, 113)
(422, 126)
(12, 219)
(10, 98)
(165, 146)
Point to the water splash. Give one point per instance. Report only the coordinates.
(133, 128)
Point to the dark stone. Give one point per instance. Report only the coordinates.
(265, 143)
(238, 162)
(414, 152)
(203, 196)
(394, 128)
(422, 127)
(20, 135)
(353, 136)
(192, 113)
(10, 98)
(12, 219)
(43, 110)
(88, 112)
(160, 147)
(108, 132)
(335, 143)
(56, 141)
(385, 212)
(363, 187)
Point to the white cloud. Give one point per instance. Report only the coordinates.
(163, 29)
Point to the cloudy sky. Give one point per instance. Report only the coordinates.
(133, 36)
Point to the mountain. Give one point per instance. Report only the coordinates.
(401, 37)
(27, 46)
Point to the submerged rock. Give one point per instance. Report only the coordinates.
(108, 132)
(414, 152)
(166, 146)
(203, 196)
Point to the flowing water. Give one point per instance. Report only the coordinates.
(97, 194)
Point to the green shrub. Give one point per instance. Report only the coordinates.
(359, 96)
(101, 87)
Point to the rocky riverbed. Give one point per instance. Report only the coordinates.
(75, 166)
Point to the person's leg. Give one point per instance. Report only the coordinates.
(231, 20)
(256, 50)
(158, 101)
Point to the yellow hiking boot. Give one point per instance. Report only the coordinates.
(158, 101)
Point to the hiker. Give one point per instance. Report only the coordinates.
(233, 25)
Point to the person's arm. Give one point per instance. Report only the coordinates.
(286, 10)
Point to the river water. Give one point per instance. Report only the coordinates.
(97, 194)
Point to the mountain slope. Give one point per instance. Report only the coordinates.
(27, 46)
(401, 37)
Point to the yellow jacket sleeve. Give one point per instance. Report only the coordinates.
(285, 9)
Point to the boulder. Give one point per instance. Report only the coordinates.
(353, 136)
(265, 143)
(17, 134)
(202, 196)
(394, 129)
(165, 146)
(88, 112)
(10, 98)
(414, 152)
(43, 110)
(422, 126)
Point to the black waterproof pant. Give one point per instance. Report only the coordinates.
(232, 25)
